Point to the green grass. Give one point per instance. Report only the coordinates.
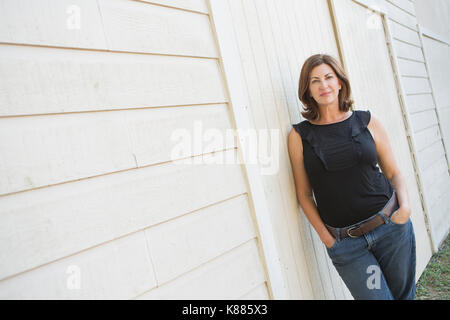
(434, 283)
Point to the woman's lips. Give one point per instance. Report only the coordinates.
(325, 94)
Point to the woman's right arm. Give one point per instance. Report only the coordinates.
(304, 190)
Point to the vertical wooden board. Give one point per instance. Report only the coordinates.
(370, 67)
(71, 217)
(227, 277)
(194, 5)
(280, 84)
(37, 80)
(66, 23)
(182, 244)
(119, 269)
(268, 107)
(261, 65)
(143, 27)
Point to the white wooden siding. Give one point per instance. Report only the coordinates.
(273, 42)
(87, 116)
(237, 274)
(89, 175)
(428, 128)
(369, 66)
(437, 55)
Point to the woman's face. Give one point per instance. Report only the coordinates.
(324, 85)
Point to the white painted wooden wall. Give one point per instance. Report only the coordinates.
(368, 62)
(273, 39)
(434, 33)
(90, 95)
(91, 203)
(420, 60)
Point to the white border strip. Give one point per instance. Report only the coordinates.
(228, 53)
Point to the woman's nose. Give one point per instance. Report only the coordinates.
(323, 84)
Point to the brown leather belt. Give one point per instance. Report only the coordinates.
(361, 229)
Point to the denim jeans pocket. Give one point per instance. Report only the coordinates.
(395, 223)
(333, 246)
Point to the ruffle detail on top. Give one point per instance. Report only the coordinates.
(343, 153)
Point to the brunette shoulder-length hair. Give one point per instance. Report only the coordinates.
(309, 104)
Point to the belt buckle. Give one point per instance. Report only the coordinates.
(350, 229)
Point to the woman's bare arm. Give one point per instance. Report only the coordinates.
(388, 165)
(303, 188)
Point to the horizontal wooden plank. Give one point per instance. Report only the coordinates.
(407, 51)
(430, 155)
(416, 85)
(47, 80)
(186, 242)
(142, 27)
(403, 33)
(412, 68)
(50, 149)
(427, 137)
(109, 25)
(42, 225)
(119, 269)
(433, 172)
(419, 102)
(193, 5)
(423, 120)
(400, 15)
(406, 5)
(227, 277)
(65, 23)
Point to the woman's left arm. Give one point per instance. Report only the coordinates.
(388, 165)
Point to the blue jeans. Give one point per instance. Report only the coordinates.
(380, 265)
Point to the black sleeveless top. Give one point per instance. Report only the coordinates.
(341, 163)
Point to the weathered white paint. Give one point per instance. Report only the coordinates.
(231, 275)
(87, 124)
(270, 40)
(221, 20)
(47, 80)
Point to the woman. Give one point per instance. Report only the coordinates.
(362, 215)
